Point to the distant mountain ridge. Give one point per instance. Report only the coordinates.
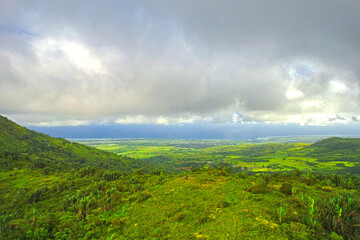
(18, 143)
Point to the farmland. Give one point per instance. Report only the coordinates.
(255, 156)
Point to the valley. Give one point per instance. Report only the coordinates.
(176, 155)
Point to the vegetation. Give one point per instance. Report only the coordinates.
(20, 146)
(210, 203)
(331, 155)
(113, 197)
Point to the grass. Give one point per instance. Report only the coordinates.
(209, 204)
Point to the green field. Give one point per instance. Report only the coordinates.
(181, 155)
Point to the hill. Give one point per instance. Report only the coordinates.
(21, 147)
(342, 153)
(338, 144)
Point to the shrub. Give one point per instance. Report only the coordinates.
(263, 180)
(41, 233)
(280, 213)
(258, 189)
(47, 170)
(156, 172)
(140, 172)
(336, 179)
(326, 189)
(261, 186)
(309, 181)
(311, 212)
(141, 196)
(296, 230)
(286, 188)
(242, 175)
(223, 204)
(179, 216)
(118, 223)
(341, 214)
(334, 236)
(194, 170)
(61, 236)
(36, 195)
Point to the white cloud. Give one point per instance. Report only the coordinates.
(293, 93)
(337, 87)
(50, 51)
(57, 123)
(164, 63)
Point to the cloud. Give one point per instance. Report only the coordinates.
(168, 62)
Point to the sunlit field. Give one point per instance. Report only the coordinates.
(180, 155)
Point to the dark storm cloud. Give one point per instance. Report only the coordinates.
(71, 62)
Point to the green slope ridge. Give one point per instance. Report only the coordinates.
(20, 146)
(338, 144)
(342, 151)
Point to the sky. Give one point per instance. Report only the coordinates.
(174, 63)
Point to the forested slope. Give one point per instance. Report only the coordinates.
(21, 147)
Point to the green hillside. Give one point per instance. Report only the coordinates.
(21, 147)
(343, 153)
(337, 143)
(55, 189)
(208, 204)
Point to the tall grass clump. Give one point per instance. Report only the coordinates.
(261, 185)
(280, 213)
(341, 214)
(312, 212)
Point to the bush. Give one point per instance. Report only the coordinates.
(334, 236)
(242, 175)
(280, 213)
(309, 181)
(261, 186)
(196, 170)
(179, 216)
(41, 234)
(223, 204)
(286, 188)
(326, 189)
(36, 195)
(118, 223)
(341, 214)
(296, 230)
(258, 189)
(312, 211)
(141, 196)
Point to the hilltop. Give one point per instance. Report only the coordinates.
(21, 147)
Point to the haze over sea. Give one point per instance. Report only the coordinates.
(198, 131)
